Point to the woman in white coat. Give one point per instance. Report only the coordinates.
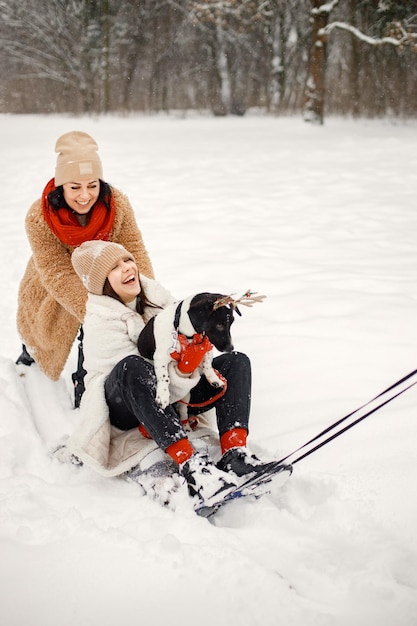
(119, 414)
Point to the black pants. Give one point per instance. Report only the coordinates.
(130, 391)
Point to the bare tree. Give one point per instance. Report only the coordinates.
(391, 23)
(315, 86)
(354, 57)
(284, 36)
(65, 43)
(226, 27)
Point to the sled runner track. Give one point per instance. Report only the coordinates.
(49, 403)
(14, 394)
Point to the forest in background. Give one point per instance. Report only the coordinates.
(316, 58)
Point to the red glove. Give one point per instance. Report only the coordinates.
(191, 352)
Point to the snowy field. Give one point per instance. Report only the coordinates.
(323, 220)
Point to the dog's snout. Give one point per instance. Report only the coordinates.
(218, 330)
(222, 344)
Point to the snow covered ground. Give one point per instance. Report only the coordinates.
(323, 221)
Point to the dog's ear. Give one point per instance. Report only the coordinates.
(201, 306)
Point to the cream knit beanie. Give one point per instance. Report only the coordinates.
(77, 158)
(93, 260)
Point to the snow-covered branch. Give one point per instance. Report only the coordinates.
(404, 37)
(327, 7)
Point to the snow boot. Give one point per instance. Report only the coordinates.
(79, 375)
(25, 358)
(242, 463)
(204, 480)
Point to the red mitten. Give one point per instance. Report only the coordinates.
(191, 352)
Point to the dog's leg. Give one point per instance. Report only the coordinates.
(164, 344)
(209, 372)
(182, 408)
(162, 381)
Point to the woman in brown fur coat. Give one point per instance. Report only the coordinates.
(76, 206)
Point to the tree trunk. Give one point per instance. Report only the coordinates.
(355, 63)
(277, 64)
(106, 55)
(314, 91)
(222, 105)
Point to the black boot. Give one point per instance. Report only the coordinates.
(25, 358)
(241, 462)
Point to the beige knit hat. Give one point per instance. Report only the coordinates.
(77, 158)
(93, 260)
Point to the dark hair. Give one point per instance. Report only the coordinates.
(57, 201)
(141, 300)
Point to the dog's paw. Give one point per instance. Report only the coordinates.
(215, 381)
(161, 402)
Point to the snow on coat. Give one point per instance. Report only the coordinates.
(111, 331)
(52, 298)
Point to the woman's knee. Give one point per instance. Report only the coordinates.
(135, 369)
(132, 370)
(232, 361)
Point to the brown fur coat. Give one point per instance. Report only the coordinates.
(51, 303)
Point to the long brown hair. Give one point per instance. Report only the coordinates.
(141, 299)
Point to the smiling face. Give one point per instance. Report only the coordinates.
(124, 279)
(81, 195)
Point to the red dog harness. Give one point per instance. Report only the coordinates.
(191, 352)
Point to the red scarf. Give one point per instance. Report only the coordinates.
(64, 224)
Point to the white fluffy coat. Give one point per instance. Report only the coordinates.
(111, 331)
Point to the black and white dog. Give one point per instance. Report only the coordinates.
(206, 315)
